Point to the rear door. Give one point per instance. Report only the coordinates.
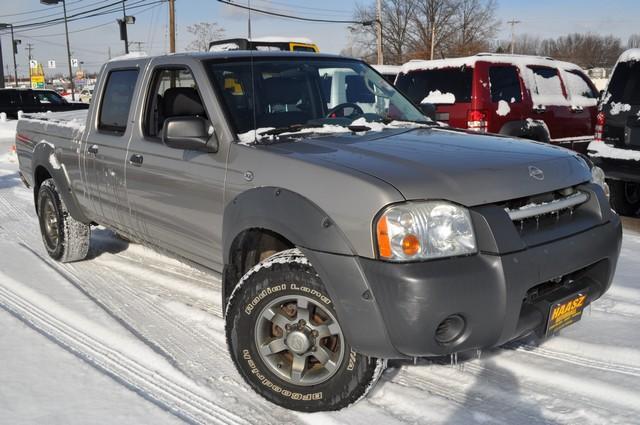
(176, 195)
(583, 106)
(105, 152)
(549, 101)
(9, 102)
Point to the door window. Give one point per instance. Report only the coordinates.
(7, 98)
(548, 88)
(505, 84)
(116, 100)
(174, 93)
(48, 98)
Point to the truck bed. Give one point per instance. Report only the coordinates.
(62, 130)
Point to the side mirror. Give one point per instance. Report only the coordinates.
(189, 133)
(429, 110)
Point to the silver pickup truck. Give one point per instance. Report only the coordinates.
(348, 228)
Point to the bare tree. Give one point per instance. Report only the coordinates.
(476, 26)
(433, 27)
(204, 33)
(634, 41)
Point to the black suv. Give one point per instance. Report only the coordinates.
(29, 100)
(616, 148)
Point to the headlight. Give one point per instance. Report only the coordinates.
(424, 230)
(598, 177)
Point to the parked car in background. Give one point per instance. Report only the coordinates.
(389, 72)
(86, 94)
(524, 96)
(30, 100)
(287, 44)
(616, 148)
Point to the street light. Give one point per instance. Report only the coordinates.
(14, 44)
(66, 32)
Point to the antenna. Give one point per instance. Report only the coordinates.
(249, 21)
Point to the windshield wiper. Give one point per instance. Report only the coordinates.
(288, 129)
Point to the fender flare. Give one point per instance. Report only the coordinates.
(524, 129)
(286, 213)
(44, 155)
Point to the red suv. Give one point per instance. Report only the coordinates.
(524, 96)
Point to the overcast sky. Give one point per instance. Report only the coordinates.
(92, 38)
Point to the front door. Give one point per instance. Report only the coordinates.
(176, 195)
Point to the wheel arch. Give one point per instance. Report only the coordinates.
(46, 164)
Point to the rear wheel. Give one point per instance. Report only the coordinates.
(287, 342)
(65, 238)
(624, 197)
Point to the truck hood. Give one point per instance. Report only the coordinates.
(435, 163)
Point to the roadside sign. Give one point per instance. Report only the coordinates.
(33, 64)
(37, 81)
(51, 64)
(74, 63)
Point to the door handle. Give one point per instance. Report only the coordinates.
(93, 149)
(136, 160)
(539, 109)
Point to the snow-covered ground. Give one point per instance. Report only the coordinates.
(133, 337)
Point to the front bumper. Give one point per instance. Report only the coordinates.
(393, 310)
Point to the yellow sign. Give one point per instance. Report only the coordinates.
(37, 81)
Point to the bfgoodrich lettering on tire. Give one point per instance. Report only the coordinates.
(287, 343)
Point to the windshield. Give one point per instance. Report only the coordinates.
(288, 92)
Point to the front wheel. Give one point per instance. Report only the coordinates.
(287, 343)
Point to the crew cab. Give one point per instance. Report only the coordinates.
(343, 237)
(31, 100)
(532, 97)
(616, 148)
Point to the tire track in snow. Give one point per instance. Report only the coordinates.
(151, 381)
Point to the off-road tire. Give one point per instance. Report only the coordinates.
(72, 237)
(620, 198)
(289, 274)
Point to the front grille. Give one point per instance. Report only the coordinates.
(546, 208)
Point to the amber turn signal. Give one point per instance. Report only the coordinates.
(384, 244)
(410, 245)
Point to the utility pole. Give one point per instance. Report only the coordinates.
(1, 69)
(66, 32)
(125, 35)
(379, 31)
(513, 23)
(172, 26)
(29, 49)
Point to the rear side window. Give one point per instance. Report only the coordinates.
(547, 84)
(578, 86)
(47, 98)
(624, 86)
(452, 84)
(505, 84)
(116, 100)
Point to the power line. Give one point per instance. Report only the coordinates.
(298, 18)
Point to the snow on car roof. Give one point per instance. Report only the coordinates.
(520, 60)
(387, 69)
(630, 55)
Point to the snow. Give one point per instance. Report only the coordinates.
(437, 97)
(129, 56)
(275, 39)
(503, 108)
(131, 336)
(630, 55)
(604, 150)
(387, 69)
(617, 107)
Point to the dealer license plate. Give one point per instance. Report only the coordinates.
(565, 312)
